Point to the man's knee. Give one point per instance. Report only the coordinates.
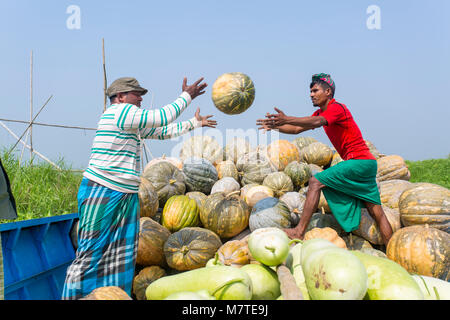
(315, 184)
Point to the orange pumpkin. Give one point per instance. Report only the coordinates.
(144, 278)
(425, 203)
(421, 250)
(391, 190)
(152, 237)
(148, 199)
(327, 234)
(281, 153)
(234, 253)
(392, 167)
(317, 153)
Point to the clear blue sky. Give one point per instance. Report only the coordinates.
(394, 80)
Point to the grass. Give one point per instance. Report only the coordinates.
(41, 190)
(435, 171)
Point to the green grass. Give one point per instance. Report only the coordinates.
(41, 190)
(435, 171)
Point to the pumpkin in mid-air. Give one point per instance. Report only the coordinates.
(233, 93)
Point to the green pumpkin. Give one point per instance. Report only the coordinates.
(226, 215)
(317, 153)
(320, 220)
(200, 174)
(191, 248)
(144, 278)
(198, 196)
(167, 180)
(148, 199)
(233, 93)
(227, 168)
(299, 172)
(253, 167)
(226, 185)
(294, 200)
(302, 142)
(180, 212)
(271, 212)
(279, 182)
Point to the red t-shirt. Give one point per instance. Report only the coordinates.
(343, 132)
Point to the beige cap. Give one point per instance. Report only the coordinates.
(125, 84)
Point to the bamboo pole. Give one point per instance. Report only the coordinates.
(31, 122)
(104, 75)
(47, 124)
(31, 108)
(29, 147)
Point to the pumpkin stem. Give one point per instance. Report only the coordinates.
(172, 181)
(323, 210)
(230, 282)
(233, 193)
(295, 241)
(184, 250)
(216, 258)
(271, 249)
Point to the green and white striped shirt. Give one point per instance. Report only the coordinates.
(115, 154)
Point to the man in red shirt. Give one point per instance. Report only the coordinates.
(349, 185)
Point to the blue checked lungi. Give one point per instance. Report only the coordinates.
(108, 233)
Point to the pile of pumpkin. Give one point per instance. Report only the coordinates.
(202, 207)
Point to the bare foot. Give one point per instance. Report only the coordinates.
(293, 233)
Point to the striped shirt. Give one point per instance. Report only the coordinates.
(115, 154)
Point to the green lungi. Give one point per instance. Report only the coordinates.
(349, 184)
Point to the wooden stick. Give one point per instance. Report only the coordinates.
(288, 287)
(34, 151)
(30, 124)
(104, 75)
(47, 124)
(31, 108)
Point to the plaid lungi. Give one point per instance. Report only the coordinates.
(108, 232)
(2, 282)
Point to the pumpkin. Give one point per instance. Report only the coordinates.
(191, 248)
(200, 174)
(152, 237)
(372, 149)
(198, 196)
(226, 185)
(327, 234)
(246, 188)
(271, 212)
(336, 159)
(202, 147)
(299, 172)
(302, 142)
(233, 93)
(227, 168)
(225, 214)
(234, 253)
(392, 167)
(281, 153)
(322, 220)
(354, 242)
(422, 250)
(425, 203)
(148, 199)
(143, 279)
(180, 212)
(279, 182)
(175, 161)
(253, 168)
(107, 293)
(390, 191)
(369, 229)
(317, 153)
(295, 201)
(167, 181)
(257, 193)
(236, 148)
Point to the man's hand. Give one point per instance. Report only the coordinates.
(194, 89)
(278, 118)
(265, 124)
(204, 120)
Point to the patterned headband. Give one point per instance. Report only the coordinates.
(324, 77)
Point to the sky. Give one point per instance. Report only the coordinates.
(391, 66)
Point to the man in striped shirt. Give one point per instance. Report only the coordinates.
(108, 203)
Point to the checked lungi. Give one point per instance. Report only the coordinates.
(349, 184)
(107, 241)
